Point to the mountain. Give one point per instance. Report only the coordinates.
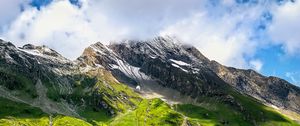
(179, 86)
(183, 67)
(270, 90)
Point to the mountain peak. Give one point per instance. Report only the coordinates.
(5, 43)
(132, 58)
(40, 50)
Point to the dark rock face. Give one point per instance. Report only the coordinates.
(184, 68)
(269, 90)
(154, 58)
(169, 64)
(98, 55)
(33, 61)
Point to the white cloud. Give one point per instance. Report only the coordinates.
(146, 17)
(63, 27)
(9, 10)
(214, 44)
(228, 2)
(285, 27)
(225, 38)
(69, 29)
(221, 31)
(293, 76)
(256, 64)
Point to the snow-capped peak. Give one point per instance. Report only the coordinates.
(39, 50)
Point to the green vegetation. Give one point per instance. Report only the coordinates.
(262, 114)
(43, 121)
(53, 93)
(248, 113)
(150, 112)
(118, 98)
(99, 117)
(13, 81)
(15, 109)
(78, 82)
(68, 121)
(102, 100)
(117, 95)
(19, 114)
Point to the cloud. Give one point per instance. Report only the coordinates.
(294, 77)
(285, 27)
(63, 27)
(215, 45)
(146, 17)
(256, 64)
(9, 10)
(223, 30)
(69, 28)
(224, 34)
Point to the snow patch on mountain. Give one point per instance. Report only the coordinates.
(129, 70)
(32, 52)
(178, 62)
(98, 50)
(175, 65)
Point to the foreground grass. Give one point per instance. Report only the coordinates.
(19, 114)
(217, 113)
(150, 112)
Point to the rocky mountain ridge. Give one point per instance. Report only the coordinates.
(103, 79)
(167, 62)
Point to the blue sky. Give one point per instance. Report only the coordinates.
(262, 35)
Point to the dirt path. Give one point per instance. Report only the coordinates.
(50, 120)
(184, 122)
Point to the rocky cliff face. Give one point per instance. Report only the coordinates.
(160, 60)
(185, 69)
(29, 72)
(269, 90)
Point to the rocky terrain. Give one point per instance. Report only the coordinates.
(270, 90)
(185, 69)
(179, 86)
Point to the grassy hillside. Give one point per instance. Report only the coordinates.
(19, 114)
(108, 102)
(248, 113)
(148, 112)
(153, 112)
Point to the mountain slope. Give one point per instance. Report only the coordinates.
(270, 90)
(39, 86)
(58, 86)
(42, 80)
(185, 69)
(164, 64)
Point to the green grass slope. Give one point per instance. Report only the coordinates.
(249, 113)
(19, 114)
(153, 112)
(129, 108)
